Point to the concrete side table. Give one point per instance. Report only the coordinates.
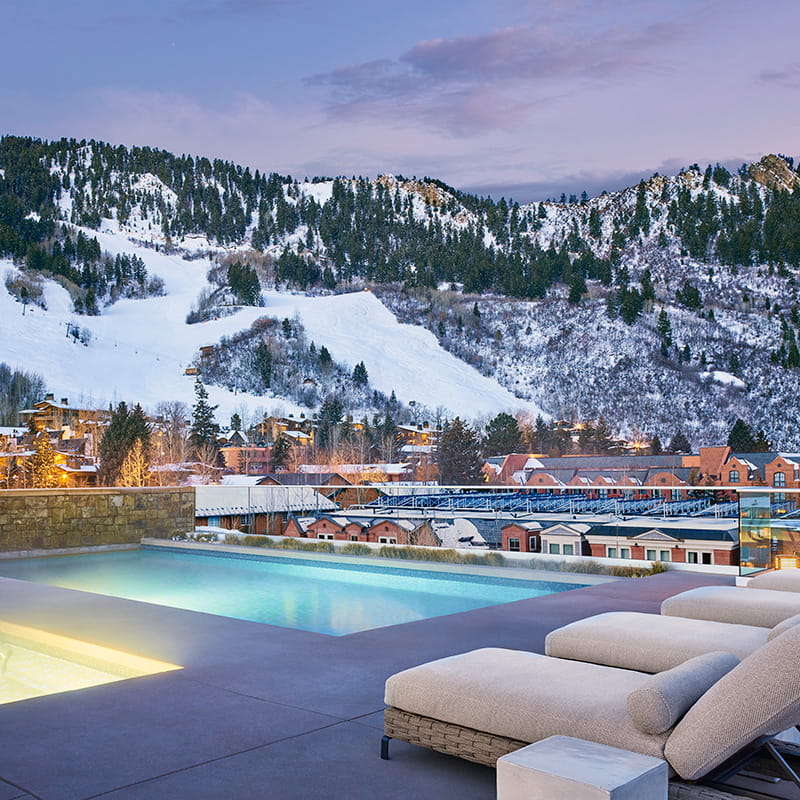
(563, 767)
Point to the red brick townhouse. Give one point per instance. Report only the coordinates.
(379, 530)
(682, 540)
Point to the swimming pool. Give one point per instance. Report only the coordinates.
(324, 596)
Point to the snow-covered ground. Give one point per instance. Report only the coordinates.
(139, 349)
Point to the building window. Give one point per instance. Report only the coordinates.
(676, 494)
(624, 552)
(554, 549)
(611, 552)
(733, 476)
(386, 539)
(664, 555)
(353, 537)
(213, 522)
(779, 479)
(650, 555)
(532, 544)
(513, 545)
(325, 536)
(569, 549)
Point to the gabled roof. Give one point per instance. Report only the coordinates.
(575, 529)
(525, 524)
(655, 534)
(678, 532)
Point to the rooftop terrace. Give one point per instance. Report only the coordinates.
(257, 710)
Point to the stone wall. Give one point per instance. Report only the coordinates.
(53, 519)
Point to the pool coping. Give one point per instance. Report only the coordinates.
(513, 573)
(10, 555)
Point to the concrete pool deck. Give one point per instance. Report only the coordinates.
(257, 710)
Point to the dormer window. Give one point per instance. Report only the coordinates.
(733, 476)
(779, 479)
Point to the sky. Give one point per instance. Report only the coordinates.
(516, 98)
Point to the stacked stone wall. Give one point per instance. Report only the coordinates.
(55, 519)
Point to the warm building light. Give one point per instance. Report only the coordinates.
(786, 562)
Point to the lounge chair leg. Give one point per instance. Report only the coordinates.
(385, 747)
(782, 763)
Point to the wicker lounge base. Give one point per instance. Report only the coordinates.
(485, 748)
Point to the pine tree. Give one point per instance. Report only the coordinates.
(281, 452)
(203, 430)
(740, 438)
(42, 464)
(360, 376)
(330, 417)
(125, 429)
(655, 446)
(761, 443)
(458, 455)
(325, 359)
(679, 443)
(236, 422)
(502, 436)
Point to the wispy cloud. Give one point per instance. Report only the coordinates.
(788, 76)
(472, 84)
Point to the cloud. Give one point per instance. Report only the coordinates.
(788, 77)
(593, 182)
(473, 84)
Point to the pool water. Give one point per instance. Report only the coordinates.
(34, 662)
(323, 596)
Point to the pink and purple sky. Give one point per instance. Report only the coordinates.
(521, 98)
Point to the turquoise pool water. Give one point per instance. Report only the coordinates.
(321, 596)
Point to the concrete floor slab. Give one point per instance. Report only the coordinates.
(9, 792)
(258, 710)
(339, 762)
(78, 744)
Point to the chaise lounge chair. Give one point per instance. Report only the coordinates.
(653, 643)
(779, 580)
(705, 717)
(761, 607)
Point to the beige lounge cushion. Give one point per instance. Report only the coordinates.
(658, 703)
(778, 629)
(761, 607)
(760, 697)
(526, 696)
(779, 580)
(648, 642)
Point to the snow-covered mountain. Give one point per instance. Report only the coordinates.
(671, 304)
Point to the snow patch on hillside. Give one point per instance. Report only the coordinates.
(139, 349)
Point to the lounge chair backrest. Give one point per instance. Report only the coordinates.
(759, 697)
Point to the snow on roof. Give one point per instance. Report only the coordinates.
(241, 480)
(457, 532)
(6, 431)
(418, 448)
(296, 434)
(214, 501)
